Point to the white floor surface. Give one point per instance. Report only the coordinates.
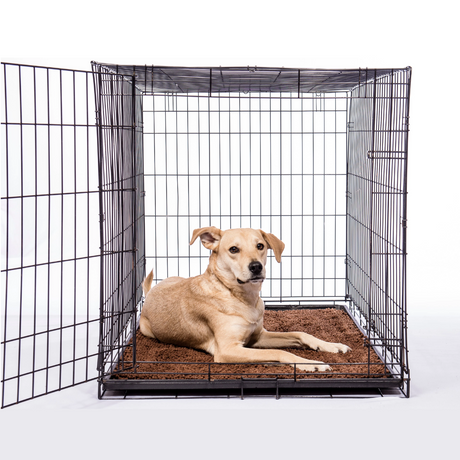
(73, 423)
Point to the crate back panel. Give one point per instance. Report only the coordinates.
(275, 162)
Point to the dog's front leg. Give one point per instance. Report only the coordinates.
(239, 354)
(296, 339)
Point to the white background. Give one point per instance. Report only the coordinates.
(328, 34)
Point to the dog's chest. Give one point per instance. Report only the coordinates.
(251, 325)
(248, 333)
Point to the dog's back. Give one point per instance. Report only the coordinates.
(173, 310)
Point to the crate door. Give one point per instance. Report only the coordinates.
(51, 260)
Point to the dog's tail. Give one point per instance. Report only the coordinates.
(147, 283)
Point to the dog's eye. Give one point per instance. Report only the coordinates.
(234, 250)
(260, 246)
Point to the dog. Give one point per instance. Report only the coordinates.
(221, 311)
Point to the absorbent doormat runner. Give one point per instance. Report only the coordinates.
(156, 360)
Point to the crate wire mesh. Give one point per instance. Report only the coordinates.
(245, 161)
(376, 233)
(50, 238)
(317, 157)
(119, 115)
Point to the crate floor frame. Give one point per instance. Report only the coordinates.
(48, 129)
(243, 386)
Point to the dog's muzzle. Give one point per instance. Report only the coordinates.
(256, 269)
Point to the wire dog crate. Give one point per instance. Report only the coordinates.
(317, 157)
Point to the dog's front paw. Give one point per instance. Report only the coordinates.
(341, 348)
(334, 348)
(314, 366)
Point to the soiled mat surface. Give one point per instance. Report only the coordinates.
(156, 360)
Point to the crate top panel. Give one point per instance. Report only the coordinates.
(157, 79)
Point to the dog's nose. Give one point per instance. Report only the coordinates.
(255, 267)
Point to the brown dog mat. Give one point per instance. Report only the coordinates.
(156, 360)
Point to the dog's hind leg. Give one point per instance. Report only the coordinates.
(144, 326)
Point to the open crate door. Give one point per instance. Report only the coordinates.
(53, 257)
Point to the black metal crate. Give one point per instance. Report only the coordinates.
(317, 157)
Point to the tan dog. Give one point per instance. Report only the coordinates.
(220, 311)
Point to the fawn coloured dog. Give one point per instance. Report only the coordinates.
(220, 311)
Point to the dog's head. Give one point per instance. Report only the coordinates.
(239, 255)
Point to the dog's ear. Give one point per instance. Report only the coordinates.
(274, 243)
(210, 237)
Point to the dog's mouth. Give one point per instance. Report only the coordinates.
(251, 280)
